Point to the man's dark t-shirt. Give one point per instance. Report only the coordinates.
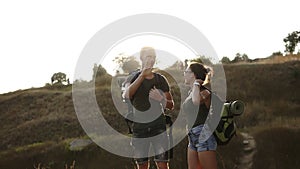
(145, 109)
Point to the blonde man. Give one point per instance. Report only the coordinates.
(149, 93)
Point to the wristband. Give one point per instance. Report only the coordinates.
(196, 83)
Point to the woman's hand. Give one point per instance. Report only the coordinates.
(198, 82)
(197, 95)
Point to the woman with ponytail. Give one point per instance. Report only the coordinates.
(201, 153)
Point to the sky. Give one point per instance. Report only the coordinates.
(39, 38)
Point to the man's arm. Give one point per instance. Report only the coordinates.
(132, 88)
(169, 103)
(165, 98)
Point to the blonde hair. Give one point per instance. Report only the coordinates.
(147, 49)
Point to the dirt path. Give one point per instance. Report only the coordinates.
(249, 150)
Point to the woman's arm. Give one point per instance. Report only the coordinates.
(197, 96)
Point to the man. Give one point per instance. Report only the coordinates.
(150, 95)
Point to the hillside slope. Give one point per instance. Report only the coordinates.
(37, 115)
(270, 92)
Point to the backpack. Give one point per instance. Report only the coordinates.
(129, 113)
(127, 80)
(223, 114)
(226, 128)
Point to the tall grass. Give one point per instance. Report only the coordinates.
(40, 166)
(277, 148)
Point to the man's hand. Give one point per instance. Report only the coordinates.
(147, 67)
(146, 71)
(156, 95)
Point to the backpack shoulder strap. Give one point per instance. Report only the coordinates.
(213, 93)
(158, 81)
(134, 75)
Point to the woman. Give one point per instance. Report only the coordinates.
(201, 154)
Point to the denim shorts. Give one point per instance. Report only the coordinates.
(197, 143)
(159, 143)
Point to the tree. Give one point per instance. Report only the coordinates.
(291, 41)
(130, 64)
(98, 71)
(245, 57)
(126, 63)
(225, 60)
(240, 58)
(177, 65)
(277, 54)
(100, 76)
(58, 78)
(237, 58)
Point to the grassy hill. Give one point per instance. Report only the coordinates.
(38, 124)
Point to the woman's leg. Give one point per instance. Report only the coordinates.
(193, 160)
(208, 159)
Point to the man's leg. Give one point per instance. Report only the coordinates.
(161, 145)
(140, 150)
(143, 165)
(162, 165)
